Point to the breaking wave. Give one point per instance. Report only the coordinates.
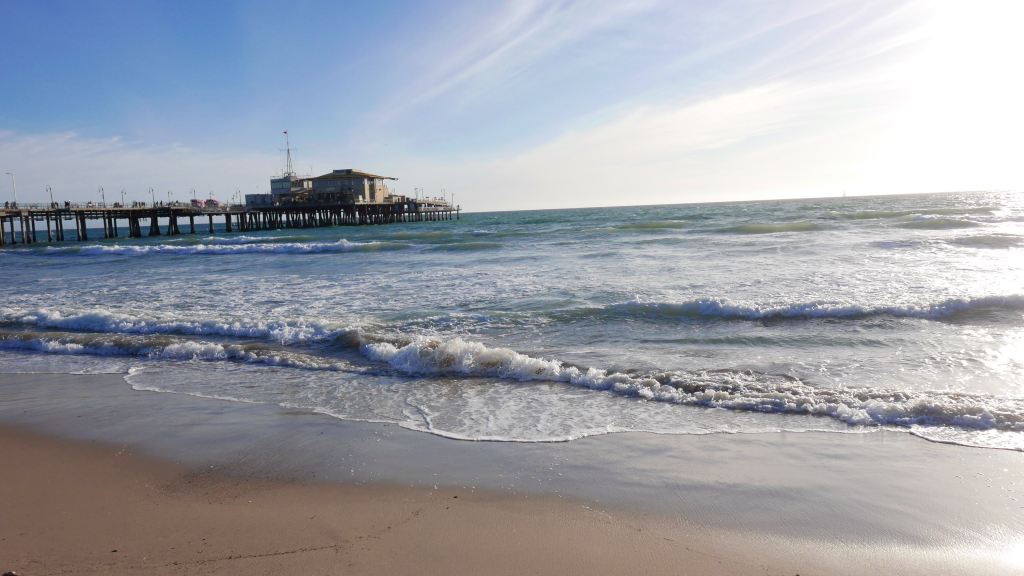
(282, 331)
(163, 348)
(244, 239)
(341, 245)
(737, 390)
(307, 331)
(727, 389)
(938, 224)
(719, 309)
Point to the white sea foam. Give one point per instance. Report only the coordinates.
(123, 334)
(745, 391)
(457, 356)
(715, 308)
(726, 389)
(99, 320)
(264, 247)
(132, 379)
(305, 330)
(183, 350)
(244, 239)
(733, 390)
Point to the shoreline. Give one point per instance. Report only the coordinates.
(771, 503)
(889, 430)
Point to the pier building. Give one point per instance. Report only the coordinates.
(347, 186)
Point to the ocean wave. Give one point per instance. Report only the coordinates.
(988, 241)
(163, 348)
(961, 310)
(737, 390)
(356, 334)
(719, 309)
(556, 216)
(938, 224)
(745, 391)
(651, 225)
(901, 244)
(98, 320)
(754, 392)
(244, 239)
(660, 241)
(772, 228)
(421, 235)
(467, 246)
(341, 245)
(945, 309)
(883, 214)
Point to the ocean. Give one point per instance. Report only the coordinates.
(844, 315)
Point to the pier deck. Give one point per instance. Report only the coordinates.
(26, 225)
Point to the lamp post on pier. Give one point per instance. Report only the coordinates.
(103, 197)
(50, 190)
(14, 186)
(122, 197)
(152, 198)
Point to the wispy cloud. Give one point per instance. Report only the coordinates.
(486, 53)
(706, 149)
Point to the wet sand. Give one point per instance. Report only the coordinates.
(88, 508)
(184, 485)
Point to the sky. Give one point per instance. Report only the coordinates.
(513, 105)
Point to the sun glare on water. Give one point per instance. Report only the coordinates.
(1013, 555)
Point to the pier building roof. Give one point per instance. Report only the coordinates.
(352, 173)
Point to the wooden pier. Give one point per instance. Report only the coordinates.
(28, 225)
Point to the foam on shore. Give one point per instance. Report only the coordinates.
(728, 389)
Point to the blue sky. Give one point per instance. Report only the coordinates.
(526, 104)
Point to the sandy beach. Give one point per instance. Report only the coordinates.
(81, 508)
(107, 482)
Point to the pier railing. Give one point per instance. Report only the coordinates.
(24, 224)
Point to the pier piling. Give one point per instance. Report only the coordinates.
(236, 218)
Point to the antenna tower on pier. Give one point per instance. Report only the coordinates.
(289, 171)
